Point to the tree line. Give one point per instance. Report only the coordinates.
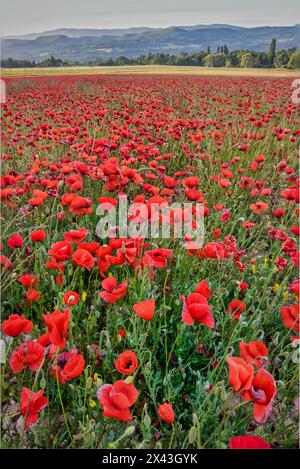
(222, 57)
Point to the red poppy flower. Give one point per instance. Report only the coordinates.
(32, 403)
(112, 292)
(32, 295)
(254, 352)
(241, 374)
(262, 391)
(196, 308)
(5, 262)
(67, 366)
(145, 309)
(248, 442)
(83, 258)
(116, 400)
(60, 250)
(27, 355)
(15, 241)
(295, 288)
(166, 412)
(28, 280)
(38, 235)
(259, 207)
(215, 250)
(156, 257)
(290, 317)
(203, 289)
(76, 236)
(236, 308)
(57, 324)
(71, 298)
(126, 362)
(16, 325)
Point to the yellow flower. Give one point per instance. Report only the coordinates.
(95, 377)
(254, 268)
(83, 296)
(276, 287)
(92, 403)
(266, 261)
(285, 296)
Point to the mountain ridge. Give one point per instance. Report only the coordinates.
(83, 44)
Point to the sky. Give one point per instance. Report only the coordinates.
(27, 16)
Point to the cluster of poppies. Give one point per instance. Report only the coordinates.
(216, 142)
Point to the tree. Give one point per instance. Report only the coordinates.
(208, 49)
(215, 60)
(226, 50)
(294, 61)
(248, 60)
(272, 52)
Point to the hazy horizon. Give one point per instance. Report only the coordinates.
(37, 16)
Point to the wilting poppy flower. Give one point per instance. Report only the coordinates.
(32, 403)
(262, 391)
(290, 317)
(57, 324)
(16, 325)
(116, 400)
(83, 258)
(38, 235)
(126, 362)
(112, 292)
(71, 298)
(254, 352)
(27, 355)
(67, 366)
(236, 308)
(166, 412)
(15, 241)
(248, 442)
(241, 374)
(145, 309)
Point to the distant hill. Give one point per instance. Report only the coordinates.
(90, 44)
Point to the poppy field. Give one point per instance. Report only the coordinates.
(140, 342)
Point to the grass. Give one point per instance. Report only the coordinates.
(151, 69)
(148, 122)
